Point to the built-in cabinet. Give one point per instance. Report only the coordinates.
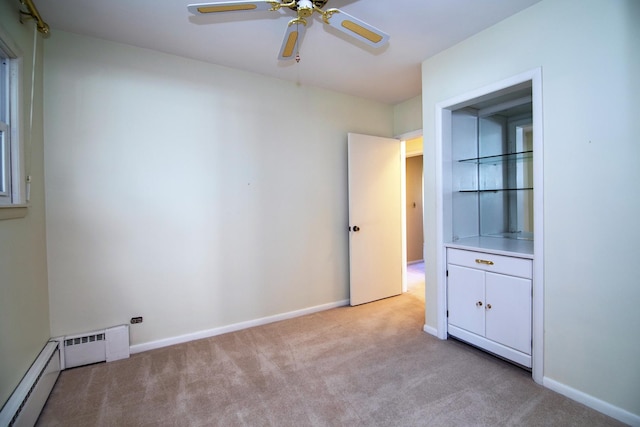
(488, 223)
(489, 302)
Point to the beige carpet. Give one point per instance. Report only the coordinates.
(370, 365)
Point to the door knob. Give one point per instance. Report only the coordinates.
(356, 228)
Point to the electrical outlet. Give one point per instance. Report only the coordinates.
(135, 320)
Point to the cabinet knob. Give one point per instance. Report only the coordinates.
(488, 306)
(479, 304)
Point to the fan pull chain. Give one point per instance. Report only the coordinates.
(298, 53)
(298, 43)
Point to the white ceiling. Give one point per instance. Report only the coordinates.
(251, 40)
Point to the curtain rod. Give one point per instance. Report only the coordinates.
(33, 13)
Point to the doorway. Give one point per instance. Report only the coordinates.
(413, 214)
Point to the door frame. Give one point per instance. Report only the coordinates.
(443, 138)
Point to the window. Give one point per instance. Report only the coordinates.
(11, 170)
(5, 141)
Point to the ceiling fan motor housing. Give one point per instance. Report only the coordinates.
(317, 3)
(305, 8)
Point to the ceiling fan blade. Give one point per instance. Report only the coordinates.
(292, 38)
(356, 28)
(231, 6)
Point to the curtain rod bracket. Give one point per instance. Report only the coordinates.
(32, 13)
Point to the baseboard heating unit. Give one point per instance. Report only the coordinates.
(28, 399)
(104, 345)
(25, 404)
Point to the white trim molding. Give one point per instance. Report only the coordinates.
(430, 330)
(411, 135)
(13, 211)
(593, 402)
(139, 348)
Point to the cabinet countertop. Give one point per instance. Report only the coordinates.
(495, 245)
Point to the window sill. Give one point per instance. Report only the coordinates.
(13, 211)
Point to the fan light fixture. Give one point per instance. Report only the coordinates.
(296, 28)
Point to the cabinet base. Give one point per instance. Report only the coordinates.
(499, 350)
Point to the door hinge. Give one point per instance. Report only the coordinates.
(447, 313)
(447, 273)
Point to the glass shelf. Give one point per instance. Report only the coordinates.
(494, 190)
(518, 235)
(491, 183)
(523, 155)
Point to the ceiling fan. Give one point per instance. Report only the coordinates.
(296, 28)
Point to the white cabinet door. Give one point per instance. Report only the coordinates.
(466, 298)
(508, 311)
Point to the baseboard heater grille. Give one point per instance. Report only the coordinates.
(25, 404)
(104, 345)
(28, 399)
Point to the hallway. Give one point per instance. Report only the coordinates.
(415, 279)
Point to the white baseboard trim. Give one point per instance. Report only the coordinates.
(138, 348)
(430, 330)
(593, 402)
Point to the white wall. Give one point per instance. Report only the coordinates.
(589, 51)
(190, 194)
(407, 116)
(24, 309)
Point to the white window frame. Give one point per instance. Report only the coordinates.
(12, 167)
(5, 157)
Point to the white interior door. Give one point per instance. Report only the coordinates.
(375, 218)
